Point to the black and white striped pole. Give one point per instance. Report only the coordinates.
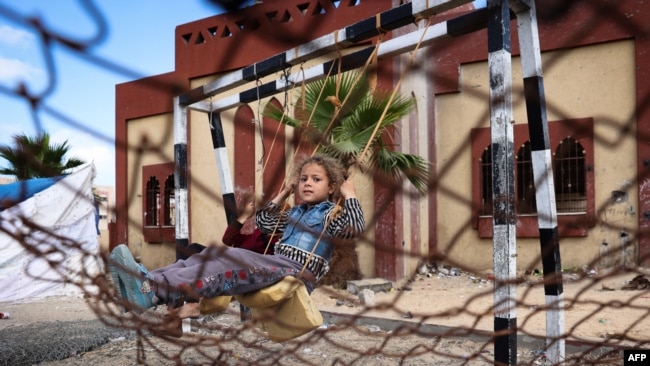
(503, 183)
(531, 62)
(225, 177)
(180, 179)
(227, 182)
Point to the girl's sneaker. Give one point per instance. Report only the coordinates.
(131, 279)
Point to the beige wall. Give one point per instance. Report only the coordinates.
(106, 213)
(208, 219)
(155, 138)
(594, 81)
(414, 139)
(207, 213)
(364, 186)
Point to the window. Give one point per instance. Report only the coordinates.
(525, 187)
(569, 173)
(159, 203)
(573, 158)
(152, 202)
(486, 181)
(169, 209)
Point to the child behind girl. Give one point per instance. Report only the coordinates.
(311, 226)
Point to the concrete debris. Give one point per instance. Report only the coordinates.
(367, 297)
(638, 283)
(374, 328)
(374, 284)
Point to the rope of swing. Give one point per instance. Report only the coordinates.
(372, 137)
(330, 125)
(359, 160)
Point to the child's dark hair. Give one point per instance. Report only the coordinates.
(333, 168)
(244, 198)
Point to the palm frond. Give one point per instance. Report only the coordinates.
(397, 165)
(276, 113)
(340, 115)
(37, 157)
(331, 100)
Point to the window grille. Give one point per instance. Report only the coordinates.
(570, 186)
(572, 162)
(170, 202)
(486, 181)
(526, 203)
(152, 202)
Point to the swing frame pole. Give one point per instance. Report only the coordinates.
(504, 220)
(180, 178)
(340, 39)
(542, 161)
(452, 28)
(496, 17)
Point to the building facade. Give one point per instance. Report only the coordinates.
(596, 92)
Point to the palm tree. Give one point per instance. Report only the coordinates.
(36, 157)
(344, 118)
(340, 116)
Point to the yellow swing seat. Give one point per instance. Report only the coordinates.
(284, 310)
(213, 305)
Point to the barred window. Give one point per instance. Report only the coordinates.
(572, 162)
(526, 202)
(169, 208)
(486, 181)
(569, 171)
(152, 202)
(158, 203)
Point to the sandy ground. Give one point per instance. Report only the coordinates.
(596, 305)
(403, 327)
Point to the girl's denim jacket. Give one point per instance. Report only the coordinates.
(305, 225)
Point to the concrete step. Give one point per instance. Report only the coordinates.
(374, 284)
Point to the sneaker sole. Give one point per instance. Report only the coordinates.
(126, 269)
(120, 290)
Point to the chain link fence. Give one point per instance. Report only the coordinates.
(607, 307)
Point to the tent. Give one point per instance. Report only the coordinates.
(48, 237)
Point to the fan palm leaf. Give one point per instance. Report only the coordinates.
(397, 165)
(340, 116)
(334, 99)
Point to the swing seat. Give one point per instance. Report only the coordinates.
(272, 295)
(284, 310)
(285, 317)
(263, 298)
(213, 305)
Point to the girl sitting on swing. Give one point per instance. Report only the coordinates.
(309, 233)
